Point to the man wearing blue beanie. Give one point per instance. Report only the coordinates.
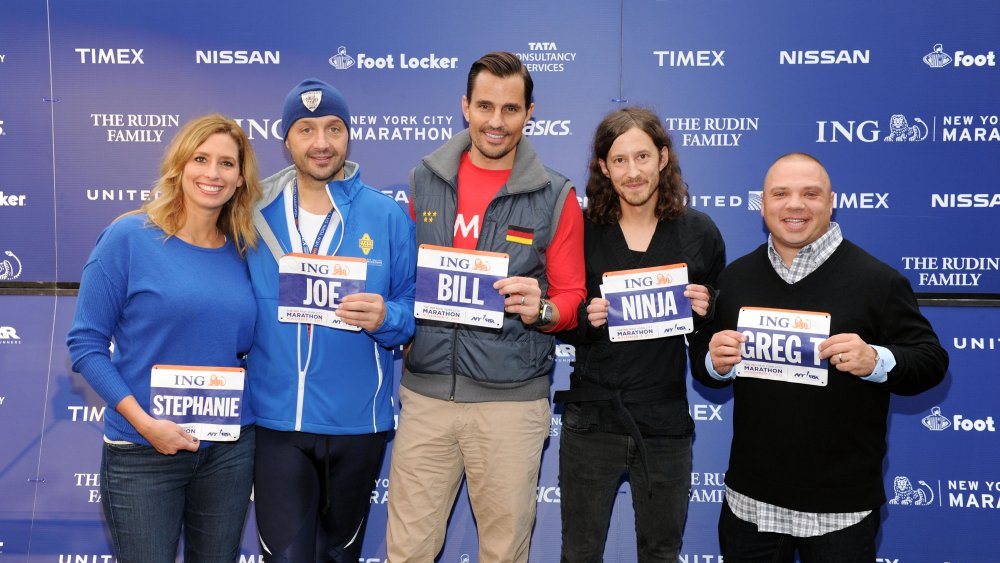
(320, 370)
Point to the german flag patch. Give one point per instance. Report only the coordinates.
(520, 235)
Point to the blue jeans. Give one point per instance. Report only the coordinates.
(741, 542)
(147, 496)
(591, 466)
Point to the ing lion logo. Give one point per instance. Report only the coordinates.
(340, 270)
(217, 381)
(801, 323)
(663, 279)
(481, 265)
(901, 130)
(906, 495)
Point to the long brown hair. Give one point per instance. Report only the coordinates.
(166, 205)
(603, 205)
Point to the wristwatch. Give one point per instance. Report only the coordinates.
(544, 314)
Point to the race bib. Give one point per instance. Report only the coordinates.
(457, 286)
(647, 303)
(205, 401)
(783, 345)
(311, 286)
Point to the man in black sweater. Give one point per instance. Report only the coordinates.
(626, 410)
(805, 469)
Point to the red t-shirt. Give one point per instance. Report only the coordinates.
(564, 258)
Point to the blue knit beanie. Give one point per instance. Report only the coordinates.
(313, 98)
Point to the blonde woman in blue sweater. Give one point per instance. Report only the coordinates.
(169, 285)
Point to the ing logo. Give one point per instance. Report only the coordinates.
(905, 494)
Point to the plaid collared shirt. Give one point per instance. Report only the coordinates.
(809, 257)
(768, 517)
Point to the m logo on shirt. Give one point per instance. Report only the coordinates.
(464, 229)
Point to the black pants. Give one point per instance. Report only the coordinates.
(312, 494)
(591, 466)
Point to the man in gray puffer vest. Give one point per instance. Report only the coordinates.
(475, 400)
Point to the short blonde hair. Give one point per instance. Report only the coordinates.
(166, 205)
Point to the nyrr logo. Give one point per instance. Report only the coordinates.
(565, 352)
(936, 422)
(544, 127)
(110, 56)
(237, 57)
(937, 58)
(690, 58)
(11, 200)
(10, 271)
(868, 131)
(8, 335)
(828, 57)
(904, 493)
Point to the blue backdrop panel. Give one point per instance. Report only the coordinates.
(740, 84)
(25, 339)
(27, 222)
(897, 99)
(941, 471)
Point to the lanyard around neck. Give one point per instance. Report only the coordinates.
(295, 215)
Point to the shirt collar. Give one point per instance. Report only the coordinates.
(808, 258)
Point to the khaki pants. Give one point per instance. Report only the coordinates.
(497, 445)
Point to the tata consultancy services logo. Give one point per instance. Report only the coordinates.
(342, 61)
(904, 493)
(10, 270)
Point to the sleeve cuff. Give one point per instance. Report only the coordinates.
(716, 375)
(886, 361)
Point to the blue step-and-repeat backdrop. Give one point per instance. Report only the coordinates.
(898, 99)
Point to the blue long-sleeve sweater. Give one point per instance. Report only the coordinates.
(163, 301)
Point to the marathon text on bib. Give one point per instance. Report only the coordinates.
(783, 345)
(205, 401)
(310, 287)
(457, 286)
(647, 303)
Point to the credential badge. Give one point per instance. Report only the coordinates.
(311, 99)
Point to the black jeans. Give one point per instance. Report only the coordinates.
(313, 492)
(591, 466)
(741, 542)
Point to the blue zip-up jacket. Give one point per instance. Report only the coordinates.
(346, 387)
